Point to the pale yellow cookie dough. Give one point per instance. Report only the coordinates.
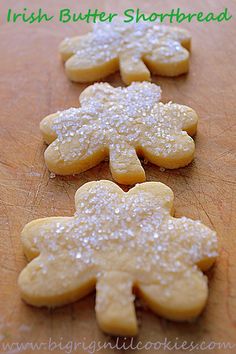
(134, 48)
(122, 123)
(125, 245)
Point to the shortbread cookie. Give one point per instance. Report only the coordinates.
(122, 244)
(135, 49)
(120, 123)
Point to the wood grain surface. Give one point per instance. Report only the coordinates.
(32, 85)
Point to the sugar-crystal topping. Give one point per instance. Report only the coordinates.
(120, 118)
(110, 40)
(130, 232)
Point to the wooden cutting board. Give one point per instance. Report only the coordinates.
(32, 85)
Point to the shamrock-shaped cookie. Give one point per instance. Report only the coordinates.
(122, 244)
(120, 123)
(133, 48)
